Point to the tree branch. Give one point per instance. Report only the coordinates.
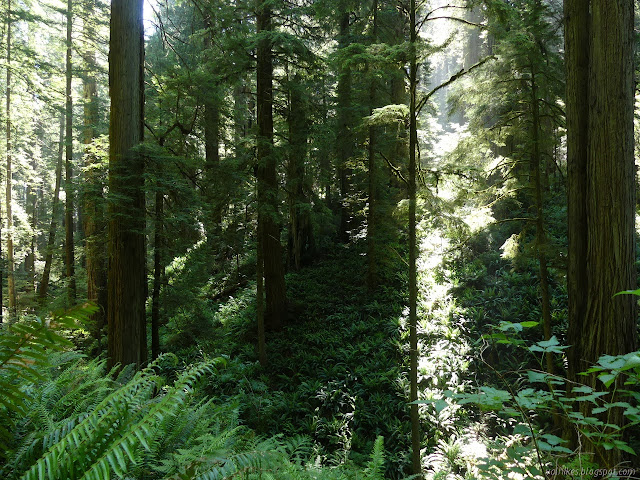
(453, 78)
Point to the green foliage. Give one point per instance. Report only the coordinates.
(24, 347)
(587, 409)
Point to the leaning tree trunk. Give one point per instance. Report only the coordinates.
(127, 287)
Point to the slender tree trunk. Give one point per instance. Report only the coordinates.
(260, 310)
(300, 234)
(11, 283)
(268, 217)
(68, 184)
(93, 220)
(32, 214)
(344, 141)
(127, 288)
(372, 217)
(157, 274)
(46, 272)
(416, 465)
(541, 240)
(212, 162)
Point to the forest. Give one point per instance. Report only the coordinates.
(319, 239)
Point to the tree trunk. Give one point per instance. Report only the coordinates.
(372, 216)
(300, 232)
(262, 343)
(11, 283)
(268, 217)
(416, 465)
(541, 240)
(344, 141)
(93, 220)
(601, 188)
(127, 288)
(46, 272)
(157, 274)
(69, 258)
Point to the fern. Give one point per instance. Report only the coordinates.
(25, 347)
(112, 437)
(375, 467)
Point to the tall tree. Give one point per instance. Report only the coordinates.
(93, 219)
(268, 215)
(69, 257)
(599, 50)
(126, 246)
(48, 261)
(416, 466)
(11, 282)
(344, 136)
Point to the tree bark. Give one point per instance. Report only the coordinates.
(300, 231)
(69, 258)
(541, 238)
(416, 465)
(268, 216)
(11, 283)
(372, 216)
(344, 137)
(157, 274)
(46, 272)
(601, 187)
(93, 219)
(127, 289)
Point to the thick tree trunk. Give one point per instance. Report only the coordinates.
(601, 187)
(127, 288)
(268, 216)
(11, 282)
(577, 61)
(69, 258)
(46, 272)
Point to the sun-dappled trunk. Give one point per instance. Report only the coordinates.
(127, 285)
(416, 466)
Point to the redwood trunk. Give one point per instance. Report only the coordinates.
(126, 281)
(268, 216)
